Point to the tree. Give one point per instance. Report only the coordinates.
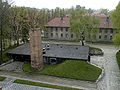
(15, 24)
(116, 39)
(4, 14)
(115, 16)
(82, 23)
(104, 11)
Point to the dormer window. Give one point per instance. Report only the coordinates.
(107, 19)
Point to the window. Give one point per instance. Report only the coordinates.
(111, 31)
(110, 37)
(66, 29)
(71, 35)
(51, 34)
(61, 29)
(100, 37)
(105, 37)
(66, 35)
(61, 35)
(107, 19)
(56, 34)
(106, 31)
(56, 29)
(46, 34)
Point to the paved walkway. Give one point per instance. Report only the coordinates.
(14, 66)
(8, 84)
(111, 79)
(51, 80)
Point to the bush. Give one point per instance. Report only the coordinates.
(95, 51)
(118, 58)
(2, 78)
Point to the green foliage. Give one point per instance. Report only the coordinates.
(118, 58)
(28, 69)
(2, 78)
(70, 69)
(82, 22)
(104, 11)
(19, 81)
(95, 51)
(116, 40)
(115, 16)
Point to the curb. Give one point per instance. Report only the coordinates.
(101, 75)
(6, 63)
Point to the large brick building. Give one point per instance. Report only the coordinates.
(59, 29)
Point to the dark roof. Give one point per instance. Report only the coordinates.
(57, 22)
(57, 50)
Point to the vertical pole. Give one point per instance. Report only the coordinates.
(1, 40)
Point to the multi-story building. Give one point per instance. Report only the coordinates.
(59, 29)
(106, 29)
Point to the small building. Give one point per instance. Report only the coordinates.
(52, 53)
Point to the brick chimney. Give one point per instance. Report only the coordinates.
(36, 49)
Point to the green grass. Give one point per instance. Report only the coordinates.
(118, 58)
(73, 69)
(43, 85)
(2, 78)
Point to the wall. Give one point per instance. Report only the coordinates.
(59, 33)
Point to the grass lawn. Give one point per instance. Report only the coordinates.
(2, 78)
(73, 69)
(118, 58)
(43, 85)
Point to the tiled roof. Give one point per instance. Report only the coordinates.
(105, 21)
(65, 22)
(59, 22)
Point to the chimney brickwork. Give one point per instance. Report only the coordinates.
(36, 49)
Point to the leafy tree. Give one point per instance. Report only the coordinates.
(82, 23)
(4, 13)
(104, 11)
(15, 24)
(116, 39)
(115, 16)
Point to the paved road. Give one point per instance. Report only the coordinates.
(51, 80)
(111, 79)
